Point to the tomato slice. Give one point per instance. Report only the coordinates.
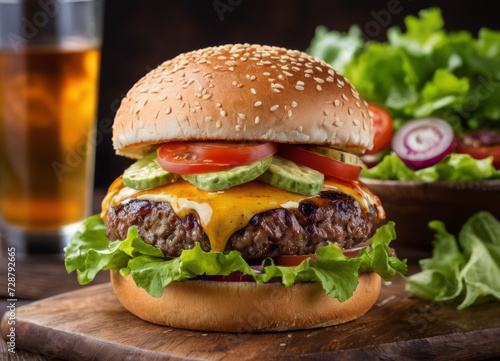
(481, 145)
(293, 260)
(320, 162)
(381, 128)
(206, 157)
(296, 260)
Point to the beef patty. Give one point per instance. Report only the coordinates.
(331, 217)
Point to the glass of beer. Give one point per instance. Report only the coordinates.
(49, 71)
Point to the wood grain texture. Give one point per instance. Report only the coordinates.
(90, 324)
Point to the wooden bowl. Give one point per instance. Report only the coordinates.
(412, 205)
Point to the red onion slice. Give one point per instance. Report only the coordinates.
(423, 142)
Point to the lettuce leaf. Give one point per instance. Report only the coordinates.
(424, 70)
(454, 167)
(467, 270)
(89, 252)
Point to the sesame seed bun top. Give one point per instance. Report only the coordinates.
(242, 93)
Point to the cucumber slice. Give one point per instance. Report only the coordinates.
(339, 155)
(146, 173)
(293, 177)
(217, 181)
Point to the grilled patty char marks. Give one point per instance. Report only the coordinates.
(331, 217)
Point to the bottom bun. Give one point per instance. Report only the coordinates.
(245, 306)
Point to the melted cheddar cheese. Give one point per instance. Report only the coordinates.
(224, 212)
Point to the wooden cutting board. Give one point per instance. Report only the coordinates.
(90, 324)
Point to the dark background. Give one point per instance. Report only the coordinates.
(139, 35)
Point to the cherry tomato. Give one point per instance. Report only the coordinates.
(481, 145)
(320, 162)
(206, 157)
(381, 128)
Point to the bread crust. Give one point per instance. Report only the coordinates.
(242, 93)
(245, 306)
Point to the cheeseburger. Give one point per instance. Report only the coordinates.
(244, 210)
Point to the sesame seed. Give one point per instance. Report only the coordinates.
(319, 87)
(345, 97)
(309, 71)
(218, 124)
(329, 79)
(208, 119)
(285, 67)
(179, 97)
(242, 116)
(183, 117)
(280, 77)
(221, 57)
(299, 128)
(289, 113)
(358, 104)
(256, 120)
(298, 87)
(287, 73)
(163, 97)
(168, 110)
(319, 69)
(235, 82)
(207, 96)
(307, 75)
(223, 113)
(231, 68)
(349, 111)
(331, 72)
(355, 94)
(137, 110)
(294, 68)
(196, 70)
(319, 80)
(218, 105)
(278, 86)
(274, 107)
(308, 65)
(355, 122)
(276, 90)
(143, 90)
(155, 90)
(198, 95)
(325, 112)
(253, 77)
(301, 83)
(271, 79)
(257, 104)
(192, 110)
(266, 73)
(253, 91)
(294, 104)
(238, 127)
(336, 102)
(239, 86)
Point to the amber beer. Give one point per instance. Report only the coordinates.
(47, 130)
